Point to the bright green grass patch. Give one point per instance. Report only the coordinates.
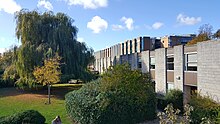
(13, 101)
(67, 85)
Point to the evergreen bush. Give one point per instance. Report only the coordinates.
(121, 96)
(29, 117)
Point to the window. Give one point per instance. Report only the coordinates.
(122, 48)
(170, 86)
(191, 62)
(130, 46)
(152, 63)
(170, 63)
(139, 61)
(142, 44)
(126, 48)
(135, 43)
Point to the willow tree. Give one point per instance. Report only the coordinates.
(42, 35)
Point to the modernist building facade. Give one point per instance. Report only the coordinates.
(187, 68)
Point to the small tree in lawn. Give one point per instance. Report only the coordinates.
(49, 73)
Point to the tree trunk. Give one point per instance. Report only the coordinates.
(48, 86)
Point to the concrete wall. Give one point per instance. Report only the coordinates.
(178, 67)
(145, 57)
(160, 70)
(134, 61)
(208, 54)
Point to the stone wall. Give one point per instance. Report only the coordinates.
(178, 67)
(160, 71)
(208, 54)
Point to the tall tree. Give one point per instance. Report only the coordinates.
(43, 35)
(205, 33)
(48, 74)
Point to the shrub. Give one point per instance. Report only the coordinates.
(29, 116)
(174, 96)
(121, 96)
(205, 109)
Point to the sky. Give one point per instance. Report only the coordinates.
(103, 23)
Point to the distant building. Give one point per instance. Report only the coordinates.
(188, 68)
(174, 40)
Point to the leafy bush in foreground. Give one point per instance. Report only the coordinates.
(121, 96)
(204, 109)
(29, 117)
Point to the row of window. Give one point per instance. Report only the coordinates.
(125, 46)
(189, 59)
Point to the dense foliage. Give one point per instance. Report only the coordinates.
(8, 72)
(121, 96)
(204, 109)
(43, 36)
(26, 117)
(49, 73)
(174, 97)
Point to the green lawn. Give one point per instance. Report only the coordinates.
(13, 100)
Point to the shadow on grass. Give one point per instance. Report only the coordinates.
(58, 92)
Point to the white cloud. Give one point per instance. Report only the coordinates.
(117, 27)
(128, 23)
(97, 24)
(186, 20)
(89, 4)
(9, 6)
(45, 4)
(2, 50)
(80, 39)
(157, 25)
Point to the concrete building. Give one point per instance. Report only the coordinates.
(128, 51)
(174, 40)
(188, 68)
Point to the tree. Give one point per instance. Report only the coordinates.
(206, 29)
(43, 35)
(205, 33)
(217, 34)
(48, 74)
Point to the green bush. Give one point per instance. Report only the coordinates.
(26, 117)
(204, 108)
(121, 96)
(174, 96)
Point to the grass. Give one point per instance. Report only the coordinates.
(13, 100)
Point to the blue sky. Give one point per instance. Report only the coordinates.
(103, 23)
